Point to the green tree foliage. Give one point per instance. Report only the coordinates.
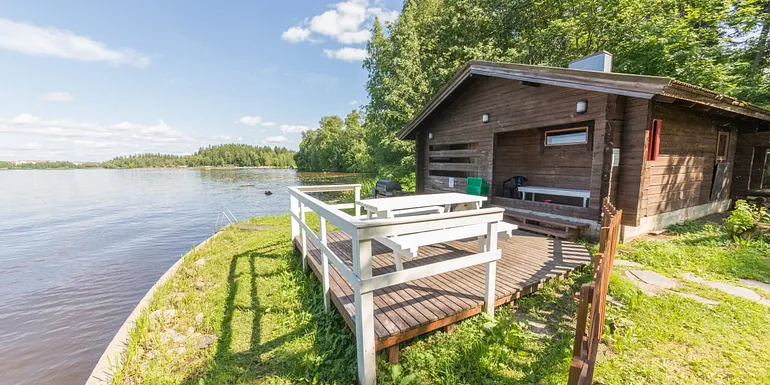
(46, 165)
(719, 44)
(337, 145)
(225, 155)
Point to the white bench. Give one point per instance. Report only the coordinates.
(406, 246)
(410, 212)
(565, 192)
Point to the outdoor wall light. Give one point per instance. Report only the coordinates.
(581, 107)
(430, 135)
(484, 117)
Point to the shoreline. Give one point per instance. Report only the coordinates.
(156, 168)
(110, 358)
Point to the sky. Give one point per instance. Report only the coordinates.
(90, 80)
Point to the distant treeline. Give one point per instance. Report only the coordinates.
(235, 155)
(225, 155)
(47, 165)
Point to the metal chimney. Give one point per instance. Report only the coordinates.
(600, 61)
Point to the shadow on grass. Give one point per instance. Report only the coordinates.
(504, 351)
(326, 358)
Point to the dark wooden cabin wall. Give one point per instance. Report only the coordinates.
(511, 107)
(632, 150)
(749, 155)
(682, 175)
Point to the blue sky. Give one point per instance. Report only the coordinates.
(89, 80)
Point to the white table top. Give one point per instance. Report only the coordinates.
(569, 192)
(415, 201)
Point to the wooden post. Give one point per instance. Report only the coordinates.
(362, 266)
(303, 235)
(394, 354)
(356, 198)
(294, 207)
(614, 115)
(489, 296)
(325, 269)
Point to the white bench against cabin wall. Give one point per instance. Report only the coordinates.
(362, 233)
(565, 192)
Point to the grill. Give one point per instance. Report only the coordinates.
(387, 188)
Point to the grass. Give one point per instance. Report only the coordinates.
(267, 315)
(271, 329)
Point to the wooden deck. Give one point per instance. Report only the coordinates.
(405, 311)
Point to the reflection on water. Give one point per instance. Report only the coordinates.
(79, 248)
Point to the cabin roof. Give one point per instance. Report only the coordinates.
(638, 86)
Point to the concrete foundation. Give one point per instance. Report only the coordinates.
(662, 221)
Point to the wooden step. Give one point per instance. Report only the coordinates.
(551, 221)
(544, 230)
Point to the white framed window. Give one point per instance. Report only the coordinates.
(566, 136)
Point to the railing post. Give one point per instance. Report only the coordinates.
(489, 293)
(294, 207)
(303, 235)
(356, 198)
(325, 266)
(362, 261)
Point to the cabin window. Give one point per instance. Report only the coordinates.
(566, 136)
(724, 139)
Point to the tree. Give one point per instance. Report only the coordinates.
(718, 44)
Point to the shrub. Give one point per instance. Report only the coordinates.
(744, 218)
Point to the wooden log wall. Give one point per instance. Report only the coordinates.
(682, 175)
(514, 108)
(632, 152)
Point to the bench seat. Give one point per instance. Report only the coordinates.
(406, 246)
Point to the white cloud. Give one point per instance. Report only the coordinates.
(123, 126)
(296, 34)
(31, 39)
(353, 102)
(275, 139)
(384, 15)
(346, 17)
(346, 54)
(253, 121)
(293, 129)
(250, 121)
(78, 140)
(354, 37)
(57, 97)
(222, 137)
(240, 139)
(348, 22)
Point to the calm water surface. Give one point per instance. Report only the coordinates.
(79, 248)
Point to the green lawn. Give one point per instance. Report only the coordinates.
(271, 328)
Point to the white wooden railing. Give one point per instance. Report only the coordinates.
(362, 232)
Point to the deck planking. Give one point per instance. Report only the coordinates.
(404, 311)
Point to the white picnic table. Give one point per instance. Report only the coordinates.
(406, 246)
(412, 204)
(565, 192)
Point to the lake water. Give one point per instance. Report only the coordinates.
(79, 249)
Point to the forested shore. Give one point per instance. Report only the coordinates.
(225, 155)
